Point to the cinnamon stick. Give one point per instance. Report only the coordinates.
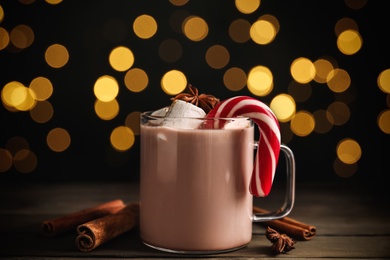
(289, 226)
(56, 226)
(96, 232)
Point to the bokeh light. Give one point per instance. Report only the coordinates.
(302, 123)
(260, 81)
(42, 87)
(5, 160)
(384, 121)
(217, 56)
(58, 139)
(303, 70)
(136, 80)
(133, 122)
(145, 26)
(235, 79)
(262, 32)
(239, 30)
(338, 80)
(106, 110)
(122, 138)
(195, 28)
(121, 58)
(173, 82)
(42, 112)
(383, 81)
(25, 161)
(106, 88)
(56, 56)
(348, 151)
(22, 36)
(283, 105)
(349, 42)
(247, 6)
(4, 38)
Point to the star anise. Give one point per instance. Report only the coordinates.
(281, 243)
(204, 101)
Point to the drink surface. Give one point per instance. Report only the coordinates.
(194, 192)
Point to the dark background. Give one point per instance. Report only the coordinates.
(306, 30)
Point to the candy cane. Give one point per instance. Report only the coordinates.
(269, 144)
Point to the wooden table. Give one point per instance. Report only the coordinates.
(352, 222)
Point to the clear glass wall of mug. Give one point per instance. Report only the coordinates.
(194, 195)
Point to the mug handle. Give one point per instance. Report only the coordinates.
(290, 191)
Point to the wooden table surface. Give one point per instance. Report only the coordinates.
(352, 222)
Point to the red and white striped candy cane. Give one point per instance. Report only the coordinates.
(269, 144)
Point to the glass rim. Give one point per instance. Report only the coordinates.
(148, 115)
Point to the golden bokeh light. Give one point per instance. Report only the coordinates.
(53, 2)
(302, 123)
(323, 125)
(348, 151)
(262, 32)
(145, 26)
(25, 161)
(217, 56)
(271, 19)
(173, 82)
(122, 138)
(284, 107)
(338, 80)
(302, 70)
(260, 81)
(234, 79)
(170, 50)
(349, 42)
(195, 28)
(338, 113)
(133, 121)
(384, 121)
(344, 170)
(239, 30)
(58, 139)
(136, 80)
(42, 88)
(247, 6)
(56, 56)
(344, 24)
(28, 100)
(383, 81)
(322, 67)
(178, 2)
(4, 38)
(14, 94)
(42, 112)
(106, 110)
(22, 36)
(1, 14)
(5, 160)
(106, 88)
(121, 58)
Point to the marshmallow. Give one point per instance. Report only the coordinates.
(179, 115)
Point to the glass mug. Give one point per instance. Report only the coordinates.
(194, 184)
